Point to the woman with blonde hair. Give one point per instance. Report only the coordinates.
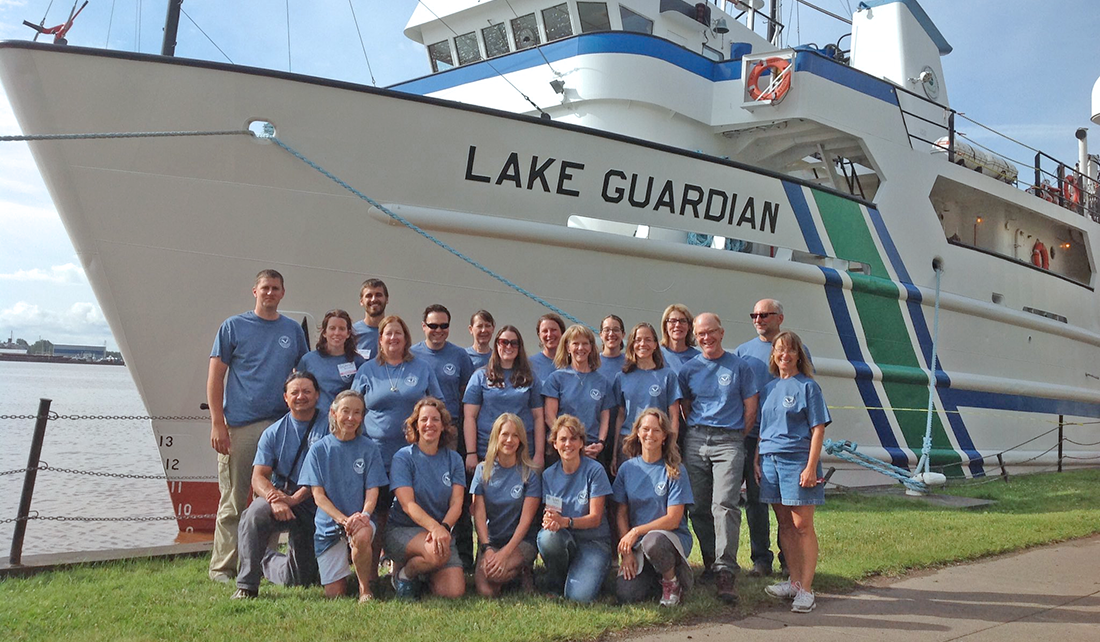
(677, 336)
(575, 540)
(651, 493)
(577, 388)
(507, 491)
(788, 463)
(429, 485)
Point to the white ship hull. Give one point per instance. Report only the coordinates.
(171, 231)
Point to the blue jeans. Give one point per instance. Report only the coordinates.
(715, 462)
(578, 566)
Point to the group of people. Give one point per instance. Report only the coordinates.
(587, 455)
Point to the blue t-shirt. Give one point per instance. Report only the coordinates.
(334, 374)
(640, 389)
(279, 443)
(260, 354)
(791, 408)
(675, 360)
(541, 366)
(611, 367)
(717, 389)
(452, 368)
(431, 477)
(504, 495)
(366, 339)
(583, 395)
(479, 360)
(346, 470)
(496, 401)
(575, 491)
(757, 353)
(648, 491)
(390, 393)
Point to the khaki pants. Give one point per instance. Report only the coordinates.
(235, 484)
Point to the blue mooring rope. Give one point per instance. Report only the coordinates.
(926, 446)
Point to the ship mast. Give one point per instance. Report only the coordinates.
(171, 26)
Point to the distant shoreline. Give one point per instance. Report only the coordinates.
(42, 358)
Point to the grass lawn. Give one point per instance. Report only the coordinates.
(861, 536)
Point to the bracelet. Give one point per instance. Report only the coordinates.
(447, 526)
(570, 523)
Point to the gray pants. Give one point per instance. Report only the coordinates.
(660, 556)
(715, 462)
(298, 567)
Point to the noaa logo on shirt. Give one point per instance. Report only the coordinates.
(284, 341)
(450, 370)
(788, 401)
(411, 380)
(725, 379)
(359, 466)
(517, 491)
(447, 479)
(655, 390)
(582, 497)
(661, 488)
(595, 394)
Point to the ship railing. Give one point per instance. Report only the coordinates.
(1054, 181)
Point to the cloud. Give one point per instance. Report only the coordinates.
(69, 273)
(81, 323)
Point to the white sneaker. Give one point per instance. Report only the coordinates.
(782, 590)
(803, 602)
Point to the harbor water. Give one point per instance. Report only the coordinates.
(110, 446)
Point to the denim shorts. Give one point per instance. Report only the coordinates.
(396, 540)
(779, 480)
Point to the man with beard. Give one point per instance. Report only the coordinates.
(373, 296)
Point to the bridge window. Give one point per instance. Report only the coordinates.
(635, 21)
(440, 55)
(496, 40)
(594, 16)
(525, 29)
(556, 21)
(467, 48)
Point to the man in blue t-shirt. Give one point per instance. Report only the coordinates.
(252, 355)
(280, 503)
(720, 403)
(373, 296)
(767, 317)
(453, 369)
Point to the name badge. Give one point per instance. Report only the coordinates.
(553, 503)
(346, 369)
(365, 353)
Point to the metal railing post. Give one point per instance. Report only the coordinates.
(16, 556)
(1038, 170)
(951, 136)
(1061, 421)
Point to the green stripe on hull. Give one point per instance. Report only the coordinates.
(879, 308)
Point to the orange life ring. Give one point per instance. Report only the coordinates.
(1070, 191)
(779, 67)
(1040, 257)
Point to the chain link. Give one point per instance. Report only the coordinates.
(53, 416)
(65, 518)
(94, 473)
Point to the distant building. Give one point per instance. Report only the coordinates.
(86, 353)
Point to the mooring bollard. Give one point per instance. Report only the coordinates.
(16, 557)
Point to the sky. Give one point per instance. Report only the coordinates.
(1021, 67)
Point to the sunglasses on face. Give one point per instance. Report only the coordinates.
(508, 343)
(761, 315)
(438, 326)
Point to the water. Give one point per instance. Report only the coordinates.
(88, 444)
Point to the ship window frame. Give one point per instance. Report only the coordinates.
(585, 28)
(435, 61)
(516, 32)
(476, 51)
(626, 13)
(710, 53)
(503, 32)
(563, 8)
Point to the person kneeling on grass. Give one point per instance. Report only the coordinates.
(788, 463)
(575, 540)
(428, 481)
(507, 491)
(651, 492)
(345, 471)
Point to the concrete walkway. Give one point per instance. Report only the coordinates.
(1050, 593)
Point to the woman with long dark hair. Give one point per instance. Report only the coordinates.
(335, 361)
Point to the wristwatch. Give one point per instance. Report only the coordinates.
(570, 523)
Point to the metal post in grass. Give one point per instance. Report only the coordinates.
(1061, 424)
(16, 557)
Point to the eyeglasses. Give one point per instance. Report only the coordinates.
(610, 330)
(676, 322)
(761, 315)
(438, 326)
(508, 343)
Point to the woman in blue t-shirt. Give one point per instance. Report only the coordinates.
(575, 540)
(429, 485)
(335, 361)
(646, 381)
(507, 491)
(577, 388)
(506, 384)
(651, 493)
(788, 463)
